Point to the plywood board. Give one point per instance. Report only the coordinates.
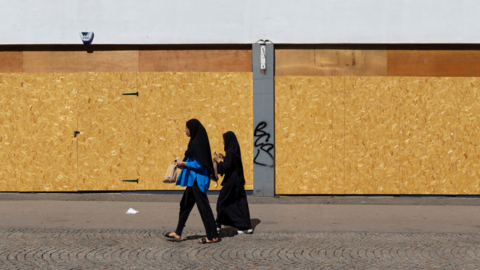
(107, 121)
(9, 114)
(433, 62)
(441, 125)
(303, 130)
(55, 145)
(295, 62)
(466, 136)
(238, 99)
(153, 60)
(359, 137)
(413, 135)
(386, 128)
(11, 61)
(224, 60)
(211, 106)
(221, 101)
(39, 124)
(162, 114)
(338, 135)
(198, 60)
(334, 135)
(330, 61)
(24, 152)
(80, 61)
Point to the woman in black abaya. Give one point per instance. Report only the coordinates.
(197, 166)
(232, 205)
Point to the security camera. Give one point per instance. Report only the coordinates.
(86, 37)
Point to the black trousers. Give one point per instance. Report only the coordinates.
(191, 196)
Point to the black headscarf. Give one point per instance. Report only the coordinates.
(232, 148)
(199, 145)
(231, 144)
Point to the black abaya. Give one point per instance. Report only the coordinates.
(199, 150)
(199, 145)
(232, 205)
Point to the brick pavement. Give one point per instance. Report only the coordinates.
(148, 249)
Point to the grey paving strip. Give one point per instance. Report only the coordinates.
(148, 249)
(323, 199)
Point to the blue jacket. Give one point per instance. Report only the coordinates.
(194, 171)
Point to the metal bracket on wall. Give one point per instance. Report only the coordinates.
(136, 180)
(130, 94)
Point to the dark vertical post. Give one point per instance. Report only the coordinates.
(263, 122)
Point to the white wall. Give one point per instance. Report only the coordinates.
(239, 21)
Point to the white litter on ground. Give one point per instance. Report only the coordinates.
(132, 211)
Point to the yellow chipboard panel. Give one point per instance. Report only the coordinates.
(38, 151)
(122, 137)
(8, 117)
(387, 127)
(334, 135)
(24, 155)
(467, 140)
(390, 135)
(412, 167)
(303, 109)
(338, 135)
(359, 140)
(221, 101)
(371, 129)
(108, 129)
(55, 119)
(441, 125)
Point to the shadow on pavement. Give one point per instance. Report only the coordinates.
(255, 222)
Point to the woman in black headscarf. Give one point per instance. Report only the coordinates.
(232, 205)
(196, 168)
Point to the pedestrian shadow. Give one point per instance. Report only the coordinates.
(232, 231)
(255, 222)
(188, 238)
(227, 232)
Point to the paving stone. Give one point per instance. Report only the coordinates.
(130, 249)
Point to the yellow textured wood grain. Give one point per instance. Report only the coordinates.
(386, 129)
(228, 106)
(467, 136)
(221, 101)
(24, 151)
(160, 128)
(239, 119)
(338, 135)
(413, 135)
(55, 121)
(163, 112)
(107, 144)
(334, 135)
(390, 135)
(9, 83)
(441, 125)
(359, 137)
(209, 108)
(303, 120)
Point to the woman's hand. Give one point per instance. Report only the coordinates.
(221, 155)
(180, 164)
(217, 159)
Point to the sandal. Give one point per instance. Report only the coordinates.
(204, 241)
(171, 237)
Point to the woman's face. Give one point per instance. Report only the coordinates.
(187, 131)
(223, 142)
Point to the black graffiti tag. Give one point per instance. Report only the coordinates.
(265, 147)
